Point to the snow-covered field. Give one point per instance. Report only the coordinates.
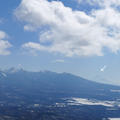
(83, 101)
(114, 118)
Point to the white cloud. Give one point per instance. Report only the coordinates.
(4, 44)
(71, 32)
(59, 61)
(103, 68)
(100, 3)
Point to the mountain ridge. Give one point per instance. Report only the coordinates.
(13, 70)
(60, 84)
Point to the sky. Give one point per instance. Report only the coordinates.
(81, 37)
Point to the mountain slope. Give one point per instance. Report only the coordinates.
(51, 96)
(54, 84)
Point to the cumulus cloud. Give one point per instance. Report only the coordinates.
(69, 32)
(4, 44)
(100, 3)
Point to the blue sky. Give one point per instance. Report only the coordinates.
(30, 47)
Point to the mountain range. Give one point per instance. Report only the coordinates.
(60, 84)
(52, 94)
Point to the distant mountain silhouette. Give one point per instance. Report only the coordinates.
(54, 84)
